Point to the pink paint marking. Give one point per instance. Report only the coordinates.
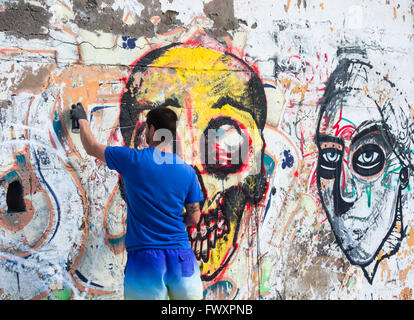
(344, 131)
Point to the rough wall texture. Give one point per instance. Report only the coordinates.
(317, 95)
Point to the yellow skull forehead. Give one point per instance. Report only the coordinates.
(195, 77)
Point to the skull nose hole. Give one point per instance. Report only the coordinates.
(14, 197)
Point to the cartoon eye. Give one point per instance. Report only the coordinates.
(329, 162)
(225, 146)
(332, 156)
(368, 160)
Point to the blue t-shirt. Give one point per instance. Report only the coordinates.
(157, 186)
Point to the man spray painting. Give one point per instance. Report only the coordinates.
(160, 261)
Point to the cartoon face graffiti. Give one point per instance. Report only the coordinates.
(360, 172)
(221, 107)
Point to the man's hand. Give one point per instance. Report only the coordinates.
(77, 112)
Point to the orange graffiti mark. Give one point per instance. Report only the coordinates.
(154, 20)
(82, 83)
(178, 31)
(406, 294)
(129, 15)
(65, 29)
(402, 274)
(90, 85)
(385, 271)
(119, 247)
(287, 6)
(75, 178)
(410, 238)
(13, 52)
(65, 5)
(41, 296)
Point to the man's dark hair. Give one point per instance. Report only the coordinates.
(163, 118)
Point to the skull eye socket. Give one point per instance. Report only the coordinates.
(224, 147)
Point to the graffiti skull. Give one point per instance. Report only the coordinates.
(221, 106)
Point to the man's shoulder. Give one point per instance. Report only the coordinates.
(188, 169)
(125, 153)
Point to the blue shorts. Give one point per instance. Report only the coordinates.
(156, 274)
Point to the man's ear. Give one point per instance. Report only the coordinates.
(151, 130)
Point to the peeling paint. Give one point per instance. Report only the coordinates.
(25, 20)
(322, 206)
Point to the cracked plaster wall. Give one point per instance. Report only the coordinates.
(68, 243)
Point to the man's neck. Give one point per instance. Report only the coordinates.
(162, 146)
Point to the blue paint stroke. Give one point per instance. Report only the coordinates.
(84, 279)
(57, 125)
(10, 177)
(128, 42)
(97, 108)
(18, 282)
(269, 165)
(288, 160)
(272, 193)
(116, 241)
(53, 195)
(21, 160)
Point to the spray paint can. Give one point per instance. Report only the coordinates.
(75, 123)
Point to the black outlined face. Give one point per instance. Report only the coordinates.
(357, 177)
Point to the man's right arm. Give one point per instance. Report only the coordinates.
(192, 214)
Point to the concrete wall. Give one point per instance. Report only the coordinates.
(320, 91)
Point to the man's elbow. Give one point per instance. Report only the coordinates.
(89, 150)
(96, 150)
(193, 219)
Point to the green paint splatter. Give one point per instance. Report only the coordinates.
(387, 172)
(369, 193)
(349, 121)
(62, 294)
(266, 267)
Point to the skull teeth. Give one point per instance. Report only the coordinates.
(204, 236)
